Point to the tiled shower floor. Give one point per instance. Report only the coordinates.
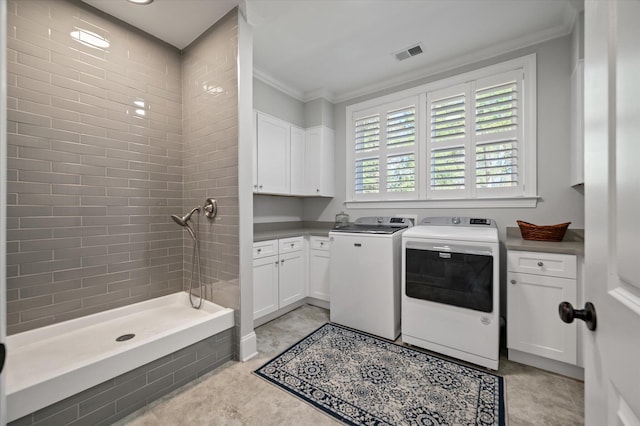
(232, 395)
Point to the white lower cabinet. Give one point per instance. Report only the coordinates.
(536, 284)
(265, 286)
(278, 274)
(319, 268)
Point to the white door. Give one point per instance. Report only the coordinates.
(612, 206)
(3, 195)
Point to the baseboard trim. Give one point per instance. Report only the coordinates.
(248, 346)
(552, 365)
(317, 302)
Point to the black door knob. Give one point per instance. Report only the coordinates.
(3, 354)
(588, 314)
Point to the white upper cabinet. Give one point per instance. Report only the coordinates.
(273, 151)
(289, 160)
(319, 166)
(577, 125)
(298, 152)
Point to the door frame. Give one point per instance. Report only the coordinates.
(3, 195)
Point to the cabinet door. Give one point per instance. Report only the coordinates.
(319, 274)
(577, 125)
(320, 176)
(273, 155)
(328, 175)
(532, 316)
(292, 279)
(265, 286)
(298, 153)
(313, 163)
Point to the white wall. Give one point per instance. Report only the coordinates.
(272, 101)
(559, 202)
(319, 112)
(273, 208)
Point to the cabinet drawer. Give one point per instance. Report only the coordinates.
(288, 245)
(319, 243)
(548, 264)
(265, 248)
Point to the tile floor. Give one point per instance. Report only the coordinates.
(232, 395)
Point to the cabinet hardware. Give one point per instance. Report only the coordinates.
(276, 263)
(291, 245)
(259, 250)
(282, 261)
(540, 264)
(513, 281)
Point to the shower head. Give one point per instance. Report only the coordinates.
(182, 221)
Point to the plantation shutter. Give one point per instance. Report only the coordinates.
(367, 147)
(468, 140)
(401, 140)
(447, 141)
(385, 151)
(498, 134)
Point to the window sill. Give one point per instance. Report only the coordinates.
(484, 203)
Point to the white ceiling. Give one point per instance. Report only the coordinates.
(339, 49)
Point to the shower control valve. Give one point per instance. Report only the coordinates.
(210, 208)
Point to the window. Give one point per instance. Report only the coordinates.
(469, 140)
(384, 151)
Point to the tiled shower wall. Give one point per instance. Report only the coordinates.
(94, 167)
(210, 139)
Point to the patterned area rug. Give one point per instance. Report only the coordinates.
(362, 380)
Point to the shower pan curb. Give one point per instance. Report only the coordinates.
(49, 364)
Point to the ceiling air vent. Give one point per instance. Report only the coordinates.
(409, 52)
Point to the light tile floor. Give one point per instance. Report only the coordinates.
(232, 395)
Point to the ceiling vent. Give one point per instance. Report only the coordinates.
(409, 52)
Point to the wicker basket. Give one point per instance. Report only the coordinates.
(530, 231)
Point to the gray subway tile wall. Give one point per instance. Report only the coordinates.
(210, 139)
(92, 182)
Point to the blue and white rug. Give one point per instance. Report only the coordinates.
(362, 380)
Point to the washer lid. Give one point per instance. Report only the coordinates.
(375, 225)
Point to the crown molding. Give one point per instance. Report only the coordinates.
(479, 55)
(277, 84)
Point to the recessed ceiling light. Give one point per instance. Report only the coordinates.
(141, 1)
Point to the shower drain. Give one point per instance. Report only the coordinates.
(125, 337)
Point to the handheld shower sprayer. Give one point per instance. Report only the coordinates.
(210, 210)
(182, 221)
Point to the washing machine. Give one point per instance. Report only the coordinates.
(364, 274)
(451, 288)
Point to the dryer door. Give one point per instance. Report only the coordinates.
(453, 275)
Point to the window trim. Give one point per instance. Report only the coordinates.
(419, 198)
